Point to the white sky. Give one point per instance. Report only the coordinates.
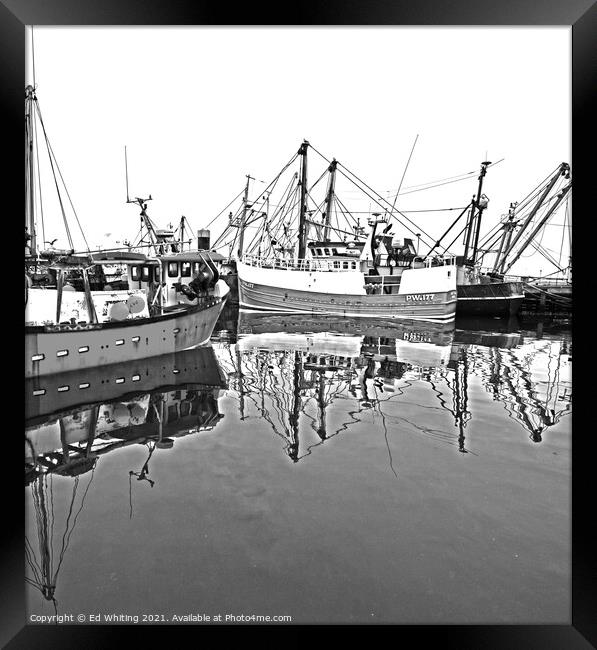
(198, 108)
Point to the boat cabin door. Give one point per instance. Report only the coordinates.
(177, 272)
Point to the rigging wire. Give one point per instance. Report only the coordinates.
(404, 173)
(373, 197)
(51, 151)
(429, 187)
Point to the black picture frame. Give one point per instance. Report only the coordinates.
(581, 15)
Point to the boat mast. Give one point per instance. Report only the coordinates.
(329, 199)
(182, 219)
(540, 225)
(505, 240)
(302, 233)
(29, 170)
(145, 220)
(563, 170)
(474, 225)
(241, 234)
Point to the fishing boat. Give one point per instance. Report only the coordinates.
(293, 265)
(487, 290)
(75, 320)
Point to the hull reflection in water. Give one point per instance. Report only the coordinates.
(50, 393)
(294, 371)
(176, 395)
(290, 370)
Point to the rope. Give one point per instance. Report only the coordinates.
(375, 199)
(50, 150)
(41, 205)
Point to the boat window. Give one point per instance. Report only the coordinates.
(135, 273)
(185, 269)
(195, 268)
(326, 251)
(157, 274)
(354, 265)
(172, 269)
(344, 265)
(319, 251)
(336, 264)
(145, 273)
(335, 251)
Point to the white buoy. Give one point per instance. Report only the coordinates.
(136, 303)
(118, 311)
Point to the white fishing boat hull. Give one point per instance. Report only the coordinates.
(424, 294)
(62, 348)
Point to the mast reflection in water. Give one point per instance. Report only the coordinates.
(69, 443)
(385, 464)
(291, 369)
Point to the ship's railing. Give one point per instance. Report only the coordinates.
(306, 264)
(552, 282)
(309, 264)
(440, 260)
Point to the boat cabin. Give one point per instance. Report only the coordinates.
(381, 257)
(82, 290)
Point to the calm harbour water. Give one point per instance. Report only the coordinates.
(331, 470)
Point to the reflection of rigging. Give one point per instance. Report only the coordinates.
(70, 461)
(509, 376)
(459, 389)
(69, 444)
(306, 374)
(282, 384)
(296, 375)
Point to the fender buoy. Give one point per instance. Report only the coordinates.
(136, 303)
(118, 311)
